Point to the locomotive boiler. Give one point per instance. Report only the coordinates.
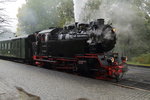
(95, 37)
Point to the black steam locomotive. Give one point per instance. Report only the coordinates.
(81, 48)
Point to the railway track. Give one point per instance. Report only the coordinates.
(136, 78)
(133, 85)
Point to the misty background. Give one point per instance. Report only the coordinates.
(131, 18)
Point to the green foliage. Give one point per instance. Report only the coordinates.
(37, 15)
(142, 59)
(66, 13)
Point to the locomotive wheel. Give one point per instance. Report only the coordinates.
(47, 65)
(83, 70)
(118, 77)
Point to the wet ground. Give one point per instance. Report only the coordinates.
(54, 85)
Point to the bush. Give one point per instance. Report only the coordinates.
(142, 59)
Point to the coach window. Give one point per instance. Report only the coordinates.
(9, 46)
(5, 46)
(12, 46)
(2, 46)
(17, 44)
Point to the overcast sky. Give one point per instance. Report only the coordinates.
(12, 10)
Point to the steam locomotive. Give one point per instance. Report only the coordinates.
(80, 48)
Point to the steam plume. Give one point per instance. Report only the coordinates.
(78, 7)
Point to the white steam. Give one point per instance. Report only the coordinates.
(125, 16)
(78, 7)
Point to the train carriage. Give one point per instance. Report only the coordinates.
(16, 48)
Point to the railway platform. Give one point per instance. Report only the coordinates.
(54, 85)
(7, 92)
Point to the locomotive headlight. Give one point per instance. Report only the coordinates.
(114, 30)
(124, 59)
(112, 59)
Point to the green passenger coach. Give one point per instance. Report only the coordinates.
(17, 48)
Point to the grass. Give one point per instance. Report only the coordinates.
(142, 60)
(134, 63)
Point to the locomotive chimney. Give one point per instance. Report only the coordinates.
(100, 21)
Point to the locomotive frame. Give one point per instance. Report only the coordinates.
(97, 66)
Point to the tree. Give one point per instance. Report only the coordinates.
(4, 19)
(37, 15)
